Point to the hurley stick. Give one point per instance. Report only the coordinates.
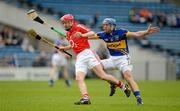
(33, 34)
(35, 17)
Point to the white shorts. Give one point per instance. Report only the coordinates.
(59, 59)
(86, 59)
(121, 63)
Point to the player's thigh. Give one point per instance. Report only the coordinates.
(55, 60)
(123, 64)
(81, 65)
(80, 76)
(98, 69)
(54, 69)
(107, 63)
(93, 59)
(128, 75)
(63, 61)
(86, 60)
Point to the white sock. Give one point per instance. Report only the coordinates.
(123, 87)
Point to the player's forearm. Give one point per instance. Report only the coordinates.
(65, 47)
(138, 34)
(142, 33)
(90, 34)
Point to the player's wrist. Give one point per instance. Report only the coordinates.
(61, 48)
(83, 35)
(146, 32)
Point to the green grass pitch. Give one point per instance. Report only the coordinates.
(38, 96)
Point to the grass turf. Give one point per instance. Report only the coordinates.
(38, 96)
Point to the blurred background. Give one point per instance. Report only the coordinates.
(154, 58)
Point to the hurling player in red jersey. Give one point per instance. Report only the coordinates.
(86, 58)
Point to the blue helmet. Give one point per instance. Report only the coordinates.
(110, 21)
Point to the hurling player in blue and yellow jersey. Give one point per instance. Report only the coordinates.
(116, 40)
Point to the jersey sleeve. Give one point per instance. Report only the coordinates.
(123, 32)
(100, 35)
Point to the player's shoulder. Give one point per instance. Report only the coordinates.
(121, 29)
(81, 26)
(101, 34)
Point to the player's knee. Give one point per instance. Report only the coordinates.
(79, 78)
(128, 76)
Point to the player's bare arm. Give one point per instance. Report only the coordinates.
(90, 35)
(65, 47)
(144, 33)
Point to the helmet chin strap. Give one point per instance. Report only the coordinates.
(68, 29)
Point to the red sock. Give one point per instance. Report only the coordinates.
(120, 84)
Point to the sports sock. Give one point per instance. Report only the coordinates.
(51, 81)
(68, 83)
(121, 85)
(137, 94)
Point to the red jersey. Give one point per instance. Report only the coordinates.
(78, 44)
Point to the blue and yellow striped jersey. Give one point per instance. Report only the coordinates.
(116, 41)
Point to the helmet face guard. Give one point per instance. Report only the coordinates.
(109, 21)
(66, 19)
